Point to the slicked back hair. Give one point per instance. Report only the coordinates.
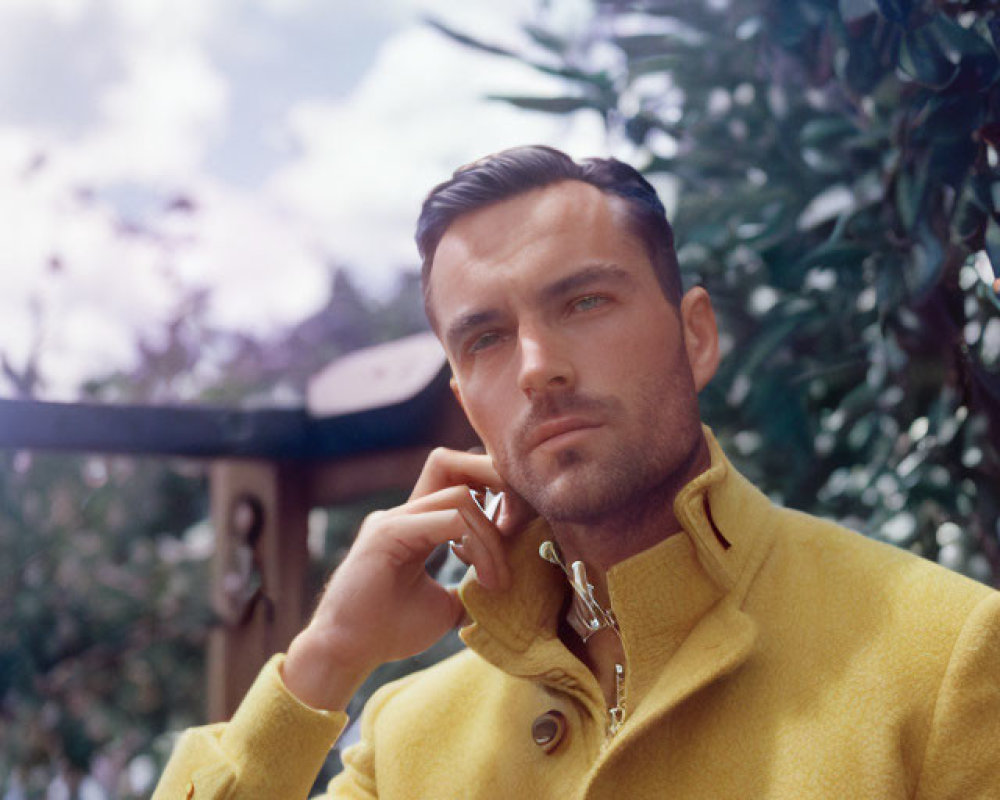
(512, 172)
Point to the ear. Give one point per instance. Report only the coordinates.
(701, 335)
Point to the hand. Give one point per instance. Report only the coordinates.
(381, 605)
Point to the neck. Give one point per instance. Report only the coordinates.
(636, 526)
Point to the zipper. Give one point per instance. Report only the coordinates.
(616, 714)
(587, 617)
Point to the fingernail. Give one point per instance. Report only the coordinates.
(458, 548)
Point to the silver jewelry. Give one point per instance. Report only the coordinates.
(586, 616)
(488, 501)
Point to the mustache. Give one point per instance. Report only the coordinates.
(549, 406)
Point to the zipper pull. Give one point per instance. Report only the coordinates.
(616, 714)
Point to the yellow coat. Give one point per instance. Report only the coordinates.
(769, 655)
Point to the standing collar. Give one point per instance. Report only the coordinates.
(725, 537)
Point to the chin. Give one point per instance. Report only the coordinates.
(577, 493)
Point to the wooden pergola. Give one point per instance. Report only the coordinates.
(369, 422)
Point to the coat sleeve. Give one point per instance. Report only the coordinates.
(962, 760)
(273, 747)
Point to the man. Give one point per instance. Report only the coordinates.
(708, 644)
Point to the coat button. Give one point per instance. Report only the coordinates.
(549, 729)
(190, 790)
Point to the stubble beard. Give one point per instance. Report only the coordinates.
(631, 479)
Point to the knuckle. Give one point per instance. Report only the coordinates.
(438, 454)
(373, 521)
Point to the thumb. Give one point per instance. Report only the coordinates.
(515, 513)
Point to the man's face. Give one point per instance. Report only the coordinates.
(567, 358)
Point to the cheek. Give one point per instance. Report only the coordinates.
(483, 413)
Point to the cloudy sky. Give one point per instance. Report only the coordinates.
(148, 147)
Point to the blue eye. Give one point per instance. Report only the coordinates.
(588, 302)
(483, 341)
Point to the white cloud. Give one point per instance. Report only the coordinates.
(347, 190)
(160, 121)
(265, 271)
(365, 165)
(69, 274)
(58, 10)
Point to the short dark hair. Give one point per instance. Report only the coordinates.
(503, 175)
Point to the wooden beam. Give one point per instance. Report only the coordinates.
(285, 434)
(348, 479)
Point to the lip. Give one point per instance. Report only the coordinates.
(553, 428)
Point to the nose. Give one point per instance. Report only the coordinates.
(545, 366)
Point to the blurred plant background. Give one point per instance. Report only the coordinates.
(833, 172)
(104, 561)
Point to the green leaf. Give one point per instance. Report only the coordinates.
(927, 261)
(911, 188)
(993, 245)
(951, 161)
(952, 116)
(553, 105)
(979, 66)
(468, 41)
(969, 220)
(851, 10)
(644, 45)
(647, 65)
(863, 70)
(791, 21)
(600, 81)
(771, 337)
(896, 10)
(820, 131)
(545, 38)
(834, 255)
(921, 57)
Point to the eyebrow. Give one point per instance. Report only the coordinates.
(468, 322)
(592, 273)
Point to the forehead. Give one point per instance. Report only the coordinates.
(532, 236)
(511, 223)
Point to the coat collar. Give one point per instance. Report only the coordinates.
(675, 602)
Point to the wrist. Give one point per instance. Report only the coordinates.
(320, 674)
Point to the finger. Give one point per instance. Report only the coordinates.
(446, 467)
(487, 534)
(483, 546)
(449, 497)
(515, 513)
(458, 550)
(471, 552)
(409, 539)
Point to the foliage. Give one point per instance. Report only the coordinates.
(104, 574)
(836, 169)
(101, 609)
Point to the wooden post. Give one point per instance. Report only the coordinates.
(260, 512)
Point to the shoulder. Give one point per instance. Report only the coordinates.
(858, 584)
(852, 559)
